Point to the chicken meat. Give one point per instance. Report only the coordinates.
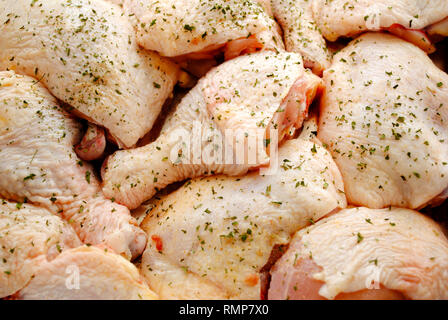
(406, 18)
(363, 253)
(301, 33)
(199, 29)
(227, 124)
(43, 258)
(93, 143)
(86, 273)
(38, 164)
(29, 235)
(384, 118)
(211, 238)
(85, 53)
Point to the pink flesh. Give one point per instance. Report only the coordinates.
(207, 53)
(231, 49)
(238, 47)
(292, 279)
(379, 294)
(315, 66)
(296, 282)
(417, 37)
(93, 144)
(294, 108)
(199, 68)
(198, 56)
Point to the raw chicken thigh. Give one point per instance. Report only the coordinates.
(211, 238)
(198, 29)
(87, 273)
(29, 235)
(41, 258)
(406, 18)
(38, 165)
(365, 253)
(246, 98)
(85, 53)
(301, 33)
(384, 118)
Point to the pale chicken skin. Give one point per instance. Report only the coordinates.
(29, 236)
(363, 253)
(227, 98)
(198, 29)
(85, 53)
(341, 18)
(87, 273)
(38, 165)
(383, 117)
(301, 33)
(211, 238)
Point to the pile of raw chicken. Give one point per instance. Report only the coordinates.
(93, 207)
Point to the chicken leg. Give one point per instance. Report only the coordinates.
(38, 165)
(253, 95)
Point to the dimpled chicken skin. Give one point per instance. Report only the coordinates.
(38, 165)
(29, 236)
(197, 28)
(211, 238)
(384, 118)
(340, 18)
(85, 53)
